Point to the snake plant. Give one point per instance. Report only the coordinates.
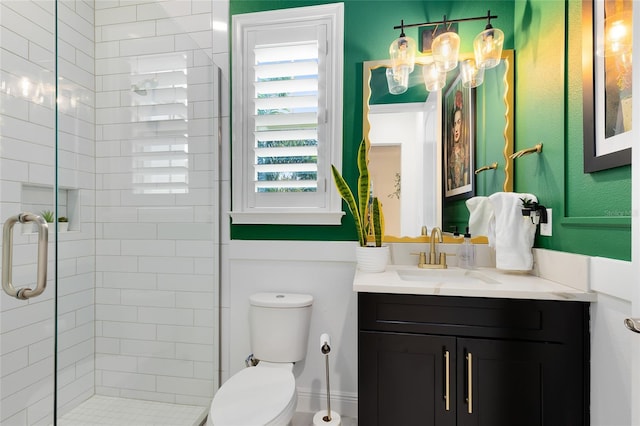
(367, 211)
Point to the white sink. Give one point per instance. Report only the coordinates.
(445, 276)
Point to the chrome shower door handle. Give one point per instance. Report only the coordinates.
(24, 293)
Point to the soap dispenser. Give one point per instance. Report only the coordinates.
(467, 252)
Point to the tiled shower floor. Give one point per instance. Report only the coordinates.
(111, 411)
(107, 410)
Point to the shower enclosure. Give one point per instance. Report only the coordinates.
(109, 118)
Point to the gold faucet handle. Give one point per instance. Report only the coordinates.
(422, 257)
(443, 259)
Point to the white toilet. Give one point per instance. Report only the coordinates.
(266, 394)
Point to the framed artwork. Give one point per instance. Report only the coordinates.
(458, 139)
(606, 80)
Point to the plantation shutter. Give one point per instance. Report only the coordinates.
(287, 134)
(286, 117)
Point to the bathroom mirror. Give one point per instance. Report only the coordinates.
(404, 134)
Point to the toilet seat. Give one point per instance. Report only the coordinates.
(255, 396)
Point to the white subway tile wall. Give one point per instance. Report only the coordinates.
(155, 151)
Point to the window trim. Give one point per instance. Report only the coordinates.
(242, 212)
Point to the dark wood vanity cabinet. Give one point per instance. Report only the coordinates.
(441, 360)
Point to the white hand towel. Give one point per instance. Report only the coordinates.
(480, 213)
(514, 233)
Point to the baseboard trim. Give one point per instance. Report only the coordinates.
(344, 403)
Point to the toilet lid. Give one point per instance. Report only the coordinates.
(253, 397)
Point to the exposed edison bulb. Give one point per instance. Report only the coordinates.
(445, 49)
(472, 74)
(434, 79)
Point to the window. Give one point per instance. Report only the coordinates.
(287, 115)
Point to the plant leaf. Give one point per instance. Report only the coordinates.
(363, 186)
(347, 196)
(378, 221)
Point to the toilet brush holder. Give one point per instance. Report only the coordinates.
(326, 417)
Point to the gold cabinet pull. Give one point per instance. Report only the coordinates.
(470, 383)
(446, 380)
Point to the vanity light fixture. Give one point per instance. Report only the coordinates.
(444, 52)
(472, 73)
(402, 52)
(434, 79)
(398, 80)
(487, 45)
(445, 49)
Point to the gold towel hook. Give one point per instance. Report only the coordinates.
(537, 148)
(493, 166)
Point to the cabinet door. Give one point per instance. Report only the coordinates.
(518, 383)
(403, 379)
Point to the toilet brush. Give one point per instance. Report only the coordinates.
(328, 417)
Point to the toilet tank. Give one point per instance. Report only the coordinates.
(279, 324)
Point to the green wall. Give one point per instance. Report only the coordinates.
(596, 206)
(591, 212)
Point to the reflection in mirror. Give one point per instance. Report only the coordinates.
(404, 133)
(403, 139)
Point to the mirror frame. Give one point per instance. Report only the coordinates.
(367, 71)
(508, 132)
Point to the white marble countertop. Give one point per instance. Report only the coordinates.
(453, 281)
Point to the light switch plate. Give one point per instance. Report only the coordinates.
(545, 228)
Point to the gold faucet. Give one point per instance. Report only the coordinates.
(431, 264)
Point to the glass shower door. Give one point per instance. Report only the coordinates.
(27, 182)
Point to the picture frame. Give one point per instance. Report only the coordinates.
(607, 139)
(458, 141)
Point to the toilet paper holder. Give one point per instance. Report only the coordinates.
(325, 348)
(329, 417)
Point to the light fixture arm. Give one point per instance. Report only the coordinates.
(402, 34)
(489, 26)
(446, 21)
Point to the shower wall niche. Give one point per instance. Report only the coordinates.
(37, 199)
